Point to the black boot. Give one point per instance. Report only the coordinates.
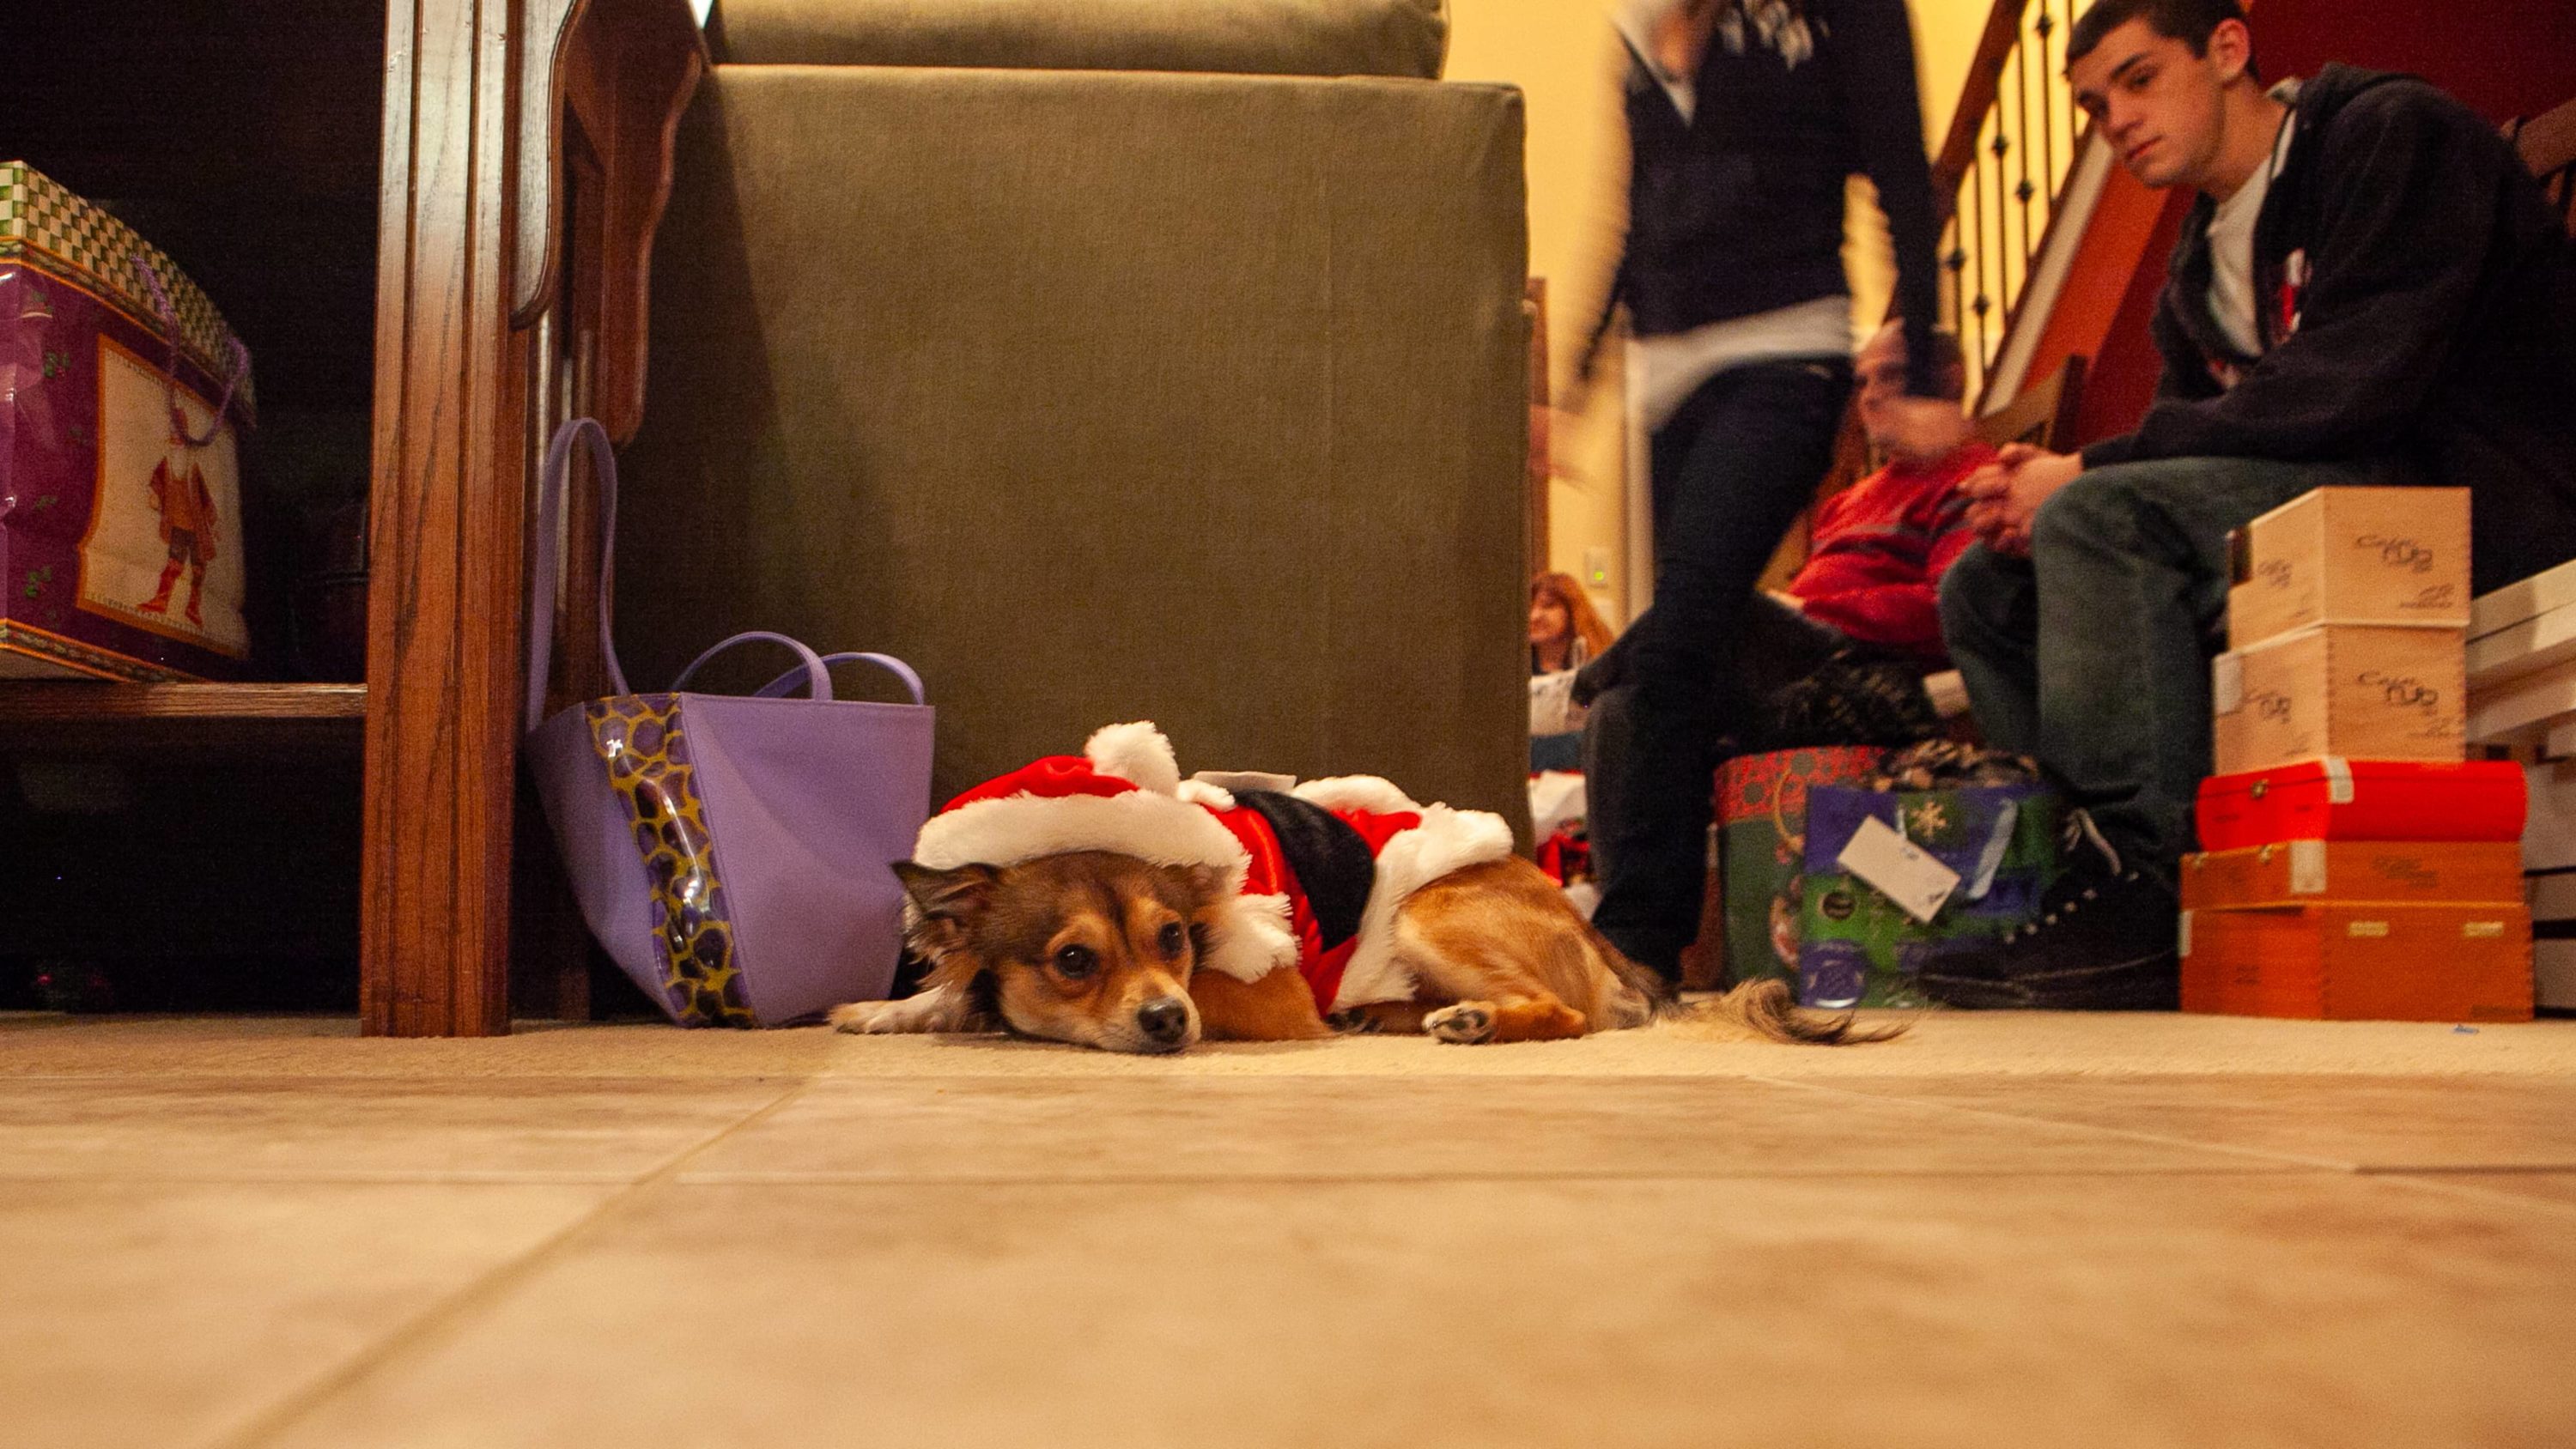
(2105, 939)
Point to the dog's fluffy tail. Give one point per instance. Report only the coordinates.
(1765, 1009)
(1768, 1010)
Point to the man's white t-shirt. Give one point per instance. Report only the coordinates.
(2232, 301)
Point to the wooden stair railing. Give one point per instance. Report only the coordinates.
(2002, 174)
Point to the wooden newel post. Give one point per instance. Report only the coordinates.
(471, 326)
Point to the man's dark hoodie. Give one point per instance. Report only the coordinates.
(2418, 300)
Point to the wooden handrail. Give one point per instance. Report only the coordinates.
(1984, 86)
(2001, 173)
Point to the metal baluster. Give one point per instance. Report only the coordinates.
(1955, 261)
(2051, 89)
(2003, 291)
(2023, 192)
(1977, 197)
(1952, 261)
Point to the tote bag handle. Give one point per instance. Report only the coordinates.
(785, 684)
(810, 670)
(545, 576)
(545, 570)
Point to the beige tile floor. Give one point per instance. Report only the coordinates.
(2002, 1231)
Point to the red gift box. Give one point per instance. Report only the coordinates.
(2338, 799)
(2360, 962)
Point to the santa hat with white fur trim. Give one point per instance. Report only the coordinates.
(1121, 794)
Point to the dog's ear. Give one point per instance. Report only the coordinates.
(1203, 894)
(947, 900)
(1205, 884)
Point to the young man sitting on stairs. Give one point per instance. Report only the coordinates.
(2369, 291)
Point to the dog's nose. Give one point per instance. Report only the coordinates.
(1165, 1018)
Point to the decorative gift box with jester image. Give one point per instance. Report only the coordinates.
(121, 393)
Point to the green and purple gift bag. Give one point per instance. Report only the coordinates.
(1762, 848)
(1858, 947)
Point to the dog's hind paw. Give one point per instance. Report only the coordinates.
(1355, 1022)
(1466, 1023)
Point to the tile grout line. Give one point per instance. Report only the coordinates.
(297, 1177)
(404, 1078)
(1569, 1176)
(2291, 1159)
(266, 1424)
(2460, 1169)
(2435, 1182)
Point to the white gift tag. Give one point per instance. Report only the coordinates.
(1899, 869)
(2227, 683)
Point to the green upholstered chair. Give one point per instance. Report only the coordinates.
(1107, 359)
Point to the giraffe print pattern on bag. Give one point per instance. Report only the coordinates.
(642, 742)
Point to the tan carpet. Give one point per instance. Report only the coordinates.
(1941, 1045)
(2114, 1232)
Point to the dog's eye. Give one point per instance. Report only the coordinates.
(1171, 938)
(1074, 963)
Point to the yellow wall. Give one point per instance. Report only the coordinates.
(1567, 62)
(1945, 40)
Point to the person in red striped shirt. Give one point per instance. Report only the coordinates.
(1879, 547)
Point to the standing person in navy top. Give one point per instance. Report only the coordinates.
(1853, 634)
(1745, 120)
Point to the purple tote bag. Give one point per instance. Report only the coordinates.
(730, 851)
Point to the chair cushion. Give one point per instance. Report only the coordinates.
(1406, 38)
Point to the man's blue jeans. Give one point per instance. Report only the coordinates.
(2093, 653)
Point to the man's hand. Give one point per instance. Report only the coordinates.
(1924, 429)
(2005, 495)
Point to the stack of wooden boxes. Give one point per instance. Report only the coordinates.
(2522, 698)
(2355, 865)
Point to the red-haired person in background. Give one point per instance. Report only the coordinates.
(1564, 631)
(1564, 635)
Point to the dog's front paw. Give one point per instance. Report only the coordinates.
(1466, 1023)
(1355, 1023)
(869, 1017)
(936, 1008)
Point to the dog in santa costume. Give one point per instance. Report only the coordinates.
(1100, 899)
